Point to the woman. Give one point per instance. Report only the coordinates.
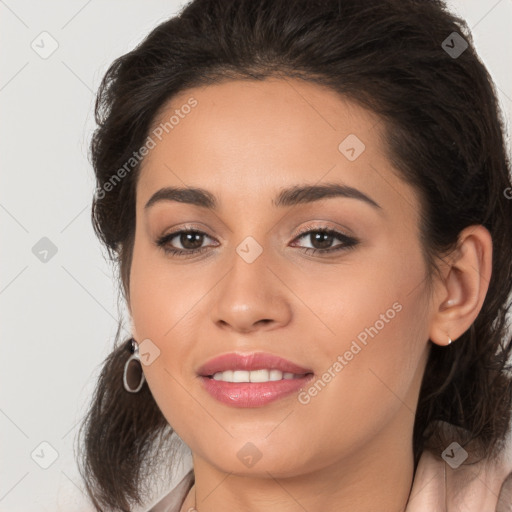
(309, 205)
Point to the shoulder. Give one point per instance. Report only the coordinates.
(450, 482)
(173, 501)
(505, 496)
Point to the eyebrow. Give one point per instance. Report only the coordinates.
(299, 194)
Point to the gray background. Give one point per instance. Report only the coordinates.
(59, 316)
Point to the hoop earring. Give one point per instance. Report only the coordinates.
(449, 340)
(136, 359)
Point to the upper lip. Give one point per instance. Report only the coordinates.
(252, 361)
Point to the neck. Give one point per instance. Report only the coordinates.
(376, 477)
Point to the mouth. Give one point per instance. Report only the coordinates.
(252, 380)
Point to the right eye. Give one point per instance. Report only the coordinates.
(187, 238)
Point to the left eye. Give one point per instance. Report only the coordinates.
(192, 241)
(324, 238)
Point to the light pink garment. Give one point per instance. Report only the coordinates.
(480, 487)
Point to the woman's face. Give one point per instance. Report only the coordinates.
(357, 317)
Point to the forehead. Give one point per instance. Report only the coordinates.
(256, 128)
(243, 140)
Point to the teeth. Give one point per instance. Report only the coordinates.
(254, 375)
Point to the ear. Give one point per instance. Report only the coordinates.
(133, 330)
(460, 294)
(128, 304)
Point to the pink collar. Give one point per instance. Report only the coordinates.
(479, 487)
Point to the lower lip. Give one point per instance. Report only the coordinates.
(252, 394)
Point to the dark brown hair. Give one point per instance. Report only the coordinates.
(443, 131)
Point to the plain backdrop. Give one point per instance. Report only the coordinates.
(57, 294)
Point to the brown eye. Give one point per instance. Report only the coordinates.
(322, 238)
(191, 242)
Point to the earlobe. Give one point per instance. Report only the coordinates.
(464, 287)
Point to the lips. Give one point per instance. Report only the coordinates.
(254, 361)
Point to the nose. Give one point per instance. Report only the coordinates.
(251, 297)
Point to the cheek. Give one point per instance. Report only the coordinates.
(164, 311)
(371, 377)
(377, 321)
(157, 298)
(377, 294)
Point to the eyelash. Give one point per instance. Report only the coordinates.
(348, 242)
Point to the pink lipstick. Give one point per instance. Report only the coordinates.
(252, 380)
